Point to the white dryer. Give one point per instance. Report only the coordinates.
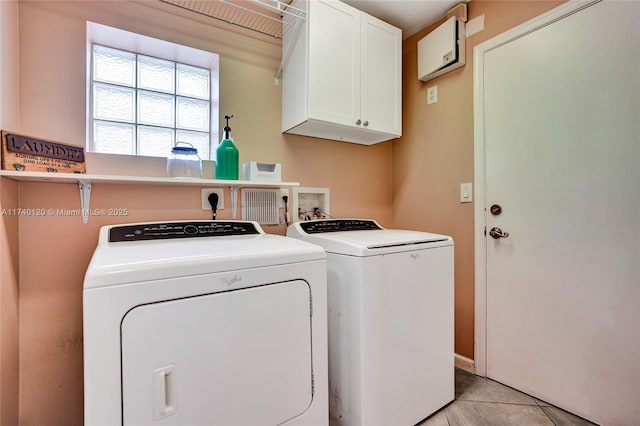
(391, 336)
(204, 323)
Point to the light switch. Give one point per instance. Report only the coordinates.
(432, 95)
(466, 192)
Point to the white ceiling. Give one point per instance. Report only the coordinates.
(409, 15)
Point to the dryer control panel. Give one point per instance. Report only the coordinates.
(172, 230)
(338, 225)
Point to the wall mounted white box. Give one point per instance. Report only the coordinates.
(305, 200)
(263, 172)
(442, 50)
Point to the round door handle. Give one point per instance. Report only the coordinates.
(497, 233)
(366, 123)
(358, 122)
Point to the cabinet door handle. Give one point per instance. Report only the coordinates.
(366, 123)
(358, 122)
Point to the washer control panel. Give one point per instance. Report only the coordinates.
(173, 230)
(338, 225)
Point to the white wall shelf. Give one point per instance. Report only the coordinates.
(137, 180)
(85, 182)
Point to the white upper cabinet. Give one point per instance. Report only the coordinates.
(343, 77)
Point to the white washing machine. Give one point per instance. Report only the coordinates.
(391, 337)
(204, 323)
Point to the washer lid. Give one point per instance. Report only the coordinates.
(116, 263)
(371, 242)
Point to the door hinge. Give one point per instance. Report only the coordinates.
(310, 305)
(485, 231)
(313, 385)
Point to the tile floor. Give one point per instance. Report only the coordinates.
(484, 402)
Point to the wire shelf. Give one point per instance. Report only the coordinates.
(263, 16)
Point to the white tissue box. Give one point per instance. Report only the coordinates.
(264, 172)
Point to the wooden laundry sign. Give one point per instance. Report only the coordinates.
(23, 153)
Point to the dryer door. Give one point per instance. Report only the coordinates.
(241, 357)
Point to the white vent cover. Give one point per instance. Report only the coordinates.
(260, 205)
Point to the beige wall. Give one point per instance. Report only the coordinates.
(9, 117)
(429, 162)
(9, 303)
(53, 95)
(9, 64)
(55, 251)
(435, 154)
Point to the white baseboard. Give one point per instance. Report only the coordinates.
(465, 363)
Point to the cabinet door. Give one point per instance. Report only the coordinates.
(334, 62)
(381, 45)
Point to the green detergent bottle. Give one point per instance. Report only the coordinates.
(227, 156)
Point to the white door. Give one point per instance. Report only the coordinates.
(241, 357)
(562, 159)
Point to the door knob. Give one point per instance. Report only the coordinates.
(358, 122)
(366, 123)
(497, 233)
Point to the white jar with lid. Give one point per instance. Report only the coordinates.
(184, 162)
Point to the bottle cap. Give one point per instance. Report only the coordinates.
(188, 150)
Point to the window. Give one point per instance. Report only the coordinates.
(142, 104)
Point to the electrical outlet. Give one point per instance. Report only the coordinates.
(283, 192)
(432, 95)
(285, 217)
(205, 198)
